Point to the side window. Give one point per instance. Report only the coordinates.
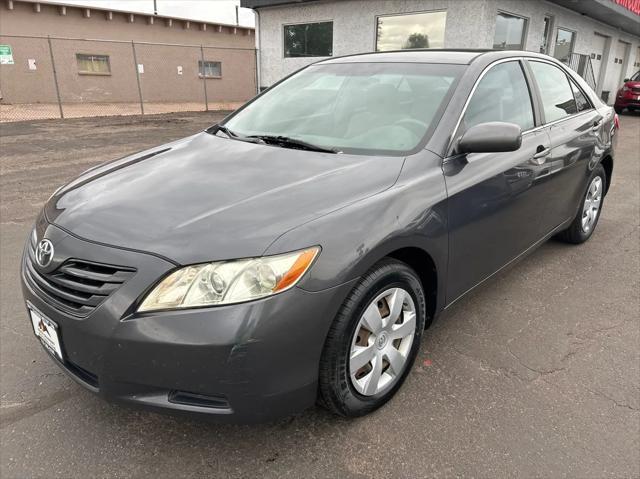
(582, 103)
(556, 93)
(501, 95)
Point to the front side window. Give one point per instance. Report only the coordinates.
(359, 108)
(93, 64)
(209, 69)
(415, 30)
(564, 45)
(557, 97)
(308, 40)
(501, 95)
(510, 32)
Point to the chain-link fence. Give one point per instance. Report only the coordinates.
(66, 78)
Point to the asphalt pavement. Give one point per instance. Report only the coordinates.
(534, 374)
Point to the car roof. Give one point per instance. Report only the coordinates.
(452, 56)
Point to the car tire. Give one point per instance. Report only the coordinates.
(391, 286)
(577, 233)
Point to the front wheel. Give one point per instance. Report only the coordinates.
(588, 215)
(373, 340)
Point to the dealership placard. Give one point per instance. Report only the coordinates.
(6, 55)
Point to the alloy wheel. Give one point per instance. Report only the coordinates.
(592, 204)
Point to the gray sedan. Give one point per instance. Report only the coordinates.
(296, 252)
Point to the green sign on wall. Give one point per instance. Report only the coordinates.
(6, 55)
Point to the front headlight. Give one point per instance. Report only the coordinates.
(226, 282)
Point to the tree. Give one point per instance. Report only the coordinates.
(416, 40)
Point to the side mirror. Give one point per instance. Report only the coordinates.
(625, 80)
(491, 137)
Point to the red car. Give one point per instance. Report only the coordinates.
(629, 95)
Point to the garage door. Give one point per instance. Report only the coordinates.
(615, 73)
(598, 45)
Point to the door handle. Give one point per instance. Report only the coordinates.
(542, 152)
(597, 124)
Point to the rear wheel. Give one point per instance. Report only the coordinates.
(373, 341)
(588, 215)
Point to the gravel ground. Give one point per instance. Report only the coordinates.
(534, 374)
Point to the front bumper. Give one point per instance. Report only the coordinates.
(248, 362)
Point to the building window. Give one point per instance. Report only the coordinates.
(308, 40)
(93, 64)
(510, 32)
(209, 69)
(413, 30)
(565, 40)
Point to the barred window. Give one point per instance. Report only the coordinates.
(93, 64)
(209, 69)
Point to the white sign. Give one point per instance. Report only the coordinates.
(6, 55)
(140, 68)
(179, 70)
(32, 64)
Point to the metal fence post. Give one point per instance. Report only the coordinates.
(257, 66)
(55, 76)
(135, 65)
(204, 79)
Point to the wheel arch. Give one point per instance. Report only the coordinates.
(425, 267)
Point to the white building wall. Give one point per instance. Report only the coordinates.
(470, 24)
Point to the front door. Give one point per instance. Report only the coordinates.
(495, 198)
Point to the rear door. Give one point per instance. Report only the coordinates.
(575, 127)
(494, 198)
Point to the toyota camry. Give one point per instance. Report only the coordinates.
(296, 252)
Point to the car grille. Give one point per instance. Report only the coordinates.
(76, 286)
(635, 89)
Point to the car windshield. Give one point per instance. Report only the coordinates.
(366, 108)
(636, 77)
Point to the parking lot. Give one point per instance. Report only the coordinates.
(534, 374)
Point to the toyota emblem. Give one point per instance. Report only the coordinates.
(44, 253)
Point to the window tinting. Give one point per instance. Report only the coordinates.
(557, 97)
(406, 32)
(501, 95)
(564, 45)
(210, 69)
(93, 64)
(510, 32)
(582, 103)
(308, 40)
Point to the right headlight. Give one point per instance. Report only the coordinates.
(228, 282)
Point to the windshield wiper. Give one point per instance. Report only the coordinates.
(232, 134)
(285, 141)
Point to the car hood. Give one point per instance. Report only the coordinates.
(206, 198)
(632, 84)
